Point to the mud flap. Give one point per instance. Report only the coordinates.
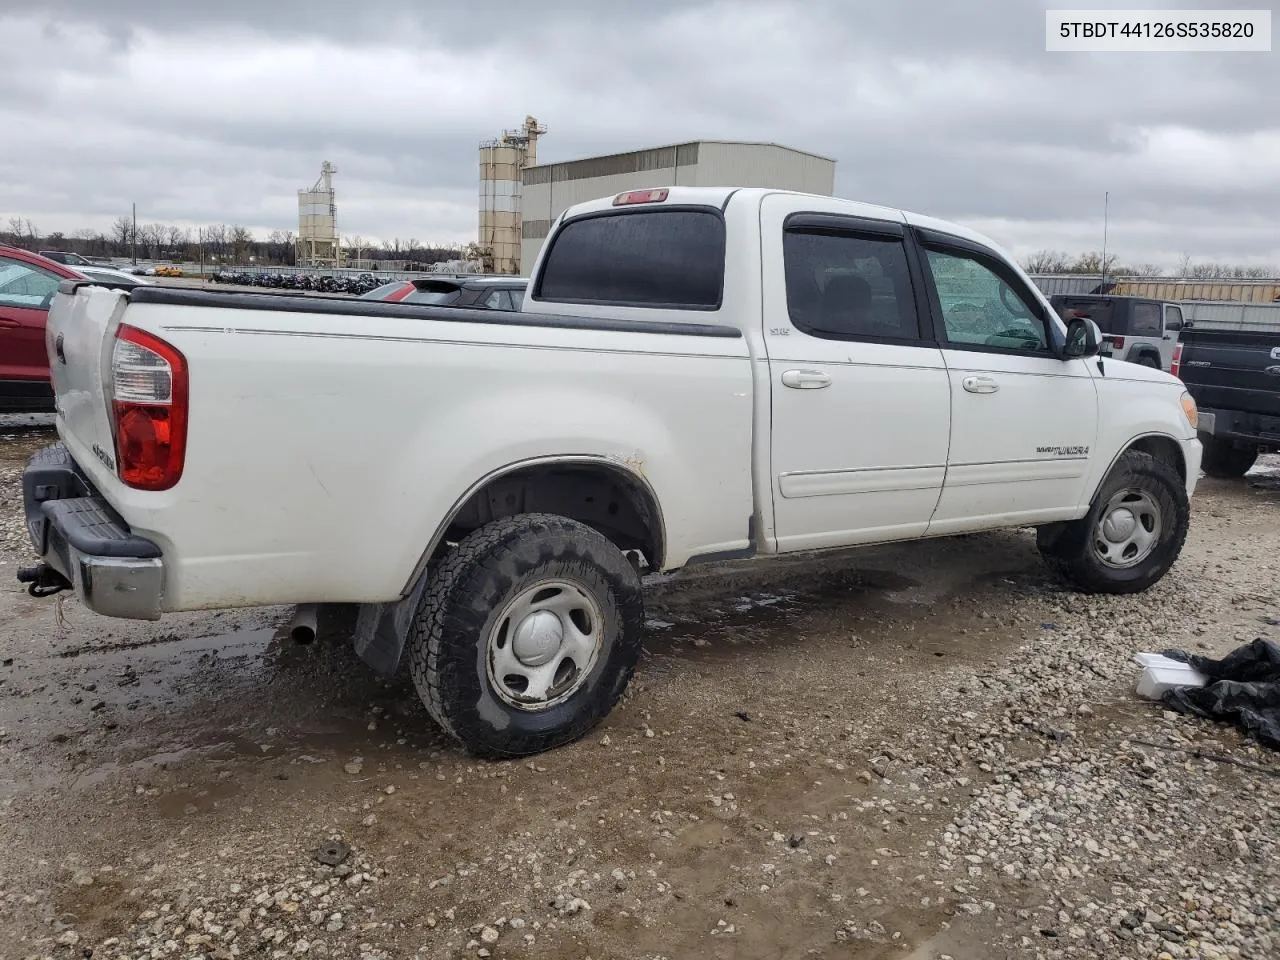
(381, 629)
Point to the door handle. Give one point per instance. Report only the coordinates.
(6, 322)
(980, 385)
(805, 379)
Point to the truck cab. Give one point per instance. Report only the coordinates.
(1137, 329)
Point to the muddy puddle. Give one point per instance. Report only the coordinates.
(23, 434)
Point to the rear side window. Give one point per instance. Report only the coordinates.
(1146, 320)
(841, 286)
(653, 258)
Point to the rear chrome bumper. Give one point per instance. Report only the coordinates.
(114, 572)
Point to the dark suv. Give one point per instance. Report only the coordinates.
(1135, 328)
(492, 292)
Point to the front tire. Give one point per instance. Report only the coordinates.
(527, 636)
(1225, 460)
(1132, 534)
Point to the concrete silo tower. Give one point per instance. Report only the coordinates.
(502, 161)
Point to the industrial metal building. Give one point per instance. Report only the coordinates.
(549, 189)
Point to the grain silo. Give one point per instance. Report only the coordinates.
(502, 162)
(318, 222)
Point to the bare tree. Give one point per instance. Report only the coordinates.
(241, 239)
(1047, 261)
(215, 239)
(152, 236)
(122, 233)
(1092, 262)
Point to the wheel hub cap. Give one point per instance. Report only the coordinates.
(537, 639)
(1128, 530)
(543, 644)
(1119, 525)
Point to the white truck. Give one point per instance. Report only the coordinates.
(697, 374)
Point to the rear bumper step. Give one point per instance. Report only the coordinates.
(74, 530)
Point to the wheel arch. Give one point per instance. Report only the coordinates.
(1160, 446)
(1145, 351)
(601, 492)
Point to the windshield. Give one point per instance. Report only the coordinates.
(109, 276)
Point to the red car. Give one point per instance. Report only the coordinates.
(27, 285)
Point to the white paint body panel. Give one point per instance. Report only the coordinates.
(997, 471)
(326, 451)
(844, 472)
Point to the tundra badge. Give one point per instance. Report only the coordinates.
(104, 457)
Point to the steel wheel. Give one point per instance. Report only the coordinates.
(543, 645)
(1128, 529)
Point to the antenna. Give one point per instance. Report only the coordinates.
(1106, 204)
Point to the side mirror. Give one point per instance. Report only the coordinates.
(1084, 339)
(1188, 323)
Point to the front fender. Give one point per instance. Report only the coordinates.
(1132, 409)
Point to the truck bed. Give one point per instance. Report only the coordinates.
(1233, 370)
(327, 438)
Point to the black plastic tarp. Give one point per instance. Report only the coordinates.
(1243, 688)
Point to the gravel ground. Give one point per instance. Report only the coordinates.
(921, 751)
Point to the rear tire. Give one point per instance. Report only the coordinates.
(1132, 534)
(1225, 460)
(527, 636)
(1147, 360)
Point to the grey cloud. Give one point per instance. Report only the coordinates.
(951, 109)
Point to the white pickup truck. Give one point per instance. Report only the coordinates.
(697, 374)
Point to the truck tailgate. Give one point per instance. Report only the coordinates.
(1233, 369)
(81, 328)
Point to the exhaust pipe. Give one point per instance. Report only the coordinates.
(302, 628)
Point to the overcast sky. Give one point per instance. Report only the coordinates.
(208, 112)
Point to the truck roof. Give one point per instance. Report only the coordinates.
(721, 196)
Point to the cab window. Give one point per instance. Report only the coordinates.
(980, 308)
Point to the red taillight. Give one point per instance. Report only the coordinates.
(149, 404)
(1175, 367)
(1117, 342)
(640, 196)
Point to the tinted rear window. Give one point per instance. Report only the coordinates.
(654, 258)
(1099, 311)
